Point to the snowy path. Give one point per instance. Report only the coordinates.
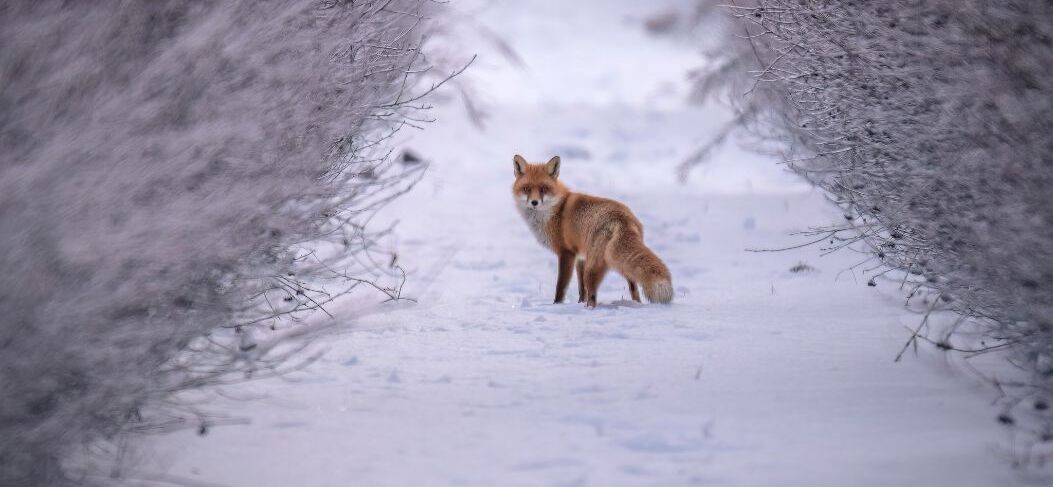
(754, 376)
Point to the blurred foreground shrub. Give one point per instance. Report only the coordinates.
(169, 168)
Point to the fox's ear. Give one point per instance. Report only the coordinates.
(520, 164)
(552, 166)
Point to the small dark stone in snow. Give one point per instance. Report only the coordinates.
(410, 158)
(1005, 419)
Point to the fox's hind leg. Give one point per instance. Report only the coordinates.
(596, 262)
(633, 291)
(595, 269)
(581, 280)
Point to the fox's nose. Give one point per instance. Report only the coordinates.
(533, 202)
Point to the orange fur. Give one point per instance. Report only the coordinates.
(599, 233)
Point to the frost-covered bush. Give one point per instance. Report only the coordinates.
(931, 124)
(165, 166)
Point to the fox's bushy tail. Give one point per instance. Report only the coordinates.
(634, 260)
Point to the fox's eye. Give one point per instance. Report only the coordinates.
(543, 190)
(527, 189)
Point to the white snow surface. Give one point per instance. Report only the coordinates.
(754, 376)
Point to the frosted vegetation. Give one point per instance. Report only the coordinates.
(183, 185)
(174, 176)
(928, 124)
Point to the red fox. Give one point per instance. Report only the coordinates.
(598, 233)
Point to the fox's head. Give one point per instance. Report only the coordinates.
(536, 187)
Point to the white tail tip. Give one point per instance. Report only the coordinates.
(660, 292)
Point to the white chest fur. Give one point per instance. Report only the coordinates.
(537, 221)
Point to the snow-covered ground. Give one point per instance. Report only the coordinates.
(755, 376)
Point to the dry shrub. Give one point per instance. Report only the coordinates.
(928, 123)
(172, 167)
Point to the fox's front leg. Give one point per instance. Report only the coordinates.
(566, 268)
(581, 280)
